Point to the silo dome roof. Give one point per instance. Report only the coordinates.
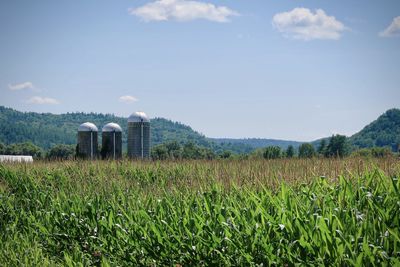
(138, 116)
(87, 127)
(112, 127)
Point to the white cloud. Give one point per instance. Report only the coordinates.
(393, 29)
(127, 99)
(43, 100)
(182, 10)
(21, 86)
(302, 23)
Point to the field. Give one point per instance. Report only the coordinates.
(201, 213)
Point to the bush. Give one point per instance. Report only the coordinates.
(61, 152)
(306, 150)
(272, 152)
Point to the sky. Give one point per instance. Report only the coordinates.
(293, 70)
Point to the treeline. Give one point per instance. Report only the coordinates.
(27, 148)
(337, 146)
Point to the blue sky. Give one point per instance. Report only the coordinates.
(296, 70)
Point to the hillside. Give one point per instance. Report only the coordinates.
(384, 131)
(46, 129)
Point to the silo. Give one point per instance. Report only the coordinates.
(138, 135)
(111, 141)
(87, 140)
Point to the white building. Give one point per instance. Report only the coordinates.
(9, 158)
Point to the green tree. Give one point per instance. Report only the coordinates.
(26, 148)
(191, 151)
(290, 151)
(226, 154)
(321, 150)
(159, 152)
(174, 150)
(337, 146)
(61, 152)
(272, 152)
(306, 150)
(3, 148)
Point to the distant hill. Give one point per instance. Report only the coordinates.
(46, 129)
(258, 142)
(384, 131)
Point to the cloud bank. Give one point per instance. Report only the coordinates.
(303, 24)
(43, 100)
(393, 29)
(182, 10)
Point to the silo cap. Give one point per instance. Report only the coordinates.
(87, 127)
(112, 127)
(138, 116)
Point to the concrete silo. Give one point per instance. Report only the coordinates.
(138, 136)
(111, 141)
(87, 140)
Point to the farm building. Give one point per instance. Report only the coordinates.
(11, 158)
(111, 141)
(138, 136)
(87, 140)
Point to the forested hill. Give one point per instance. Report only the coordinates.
(384, 131)
(46, 129)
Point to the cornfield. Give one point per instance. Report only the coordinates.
(201, 213)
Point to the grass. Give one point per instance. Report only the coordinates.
(246, 213)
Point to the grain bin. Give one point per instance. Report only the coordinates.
(138, 136)
(111, 141)
(87, 140)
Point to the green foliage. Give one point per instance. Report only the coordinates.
(257, 142)
(191, 151)
(377, 152)
(47, 130)
(159, 152)
(120, 214)
(272, 152)
(306, 150)
(3, 148)
(26, 148)
(385, 131)
(290, 153)
(322, 148)
(225, 154)
(173, 150)
(337, 147)
(61, 152)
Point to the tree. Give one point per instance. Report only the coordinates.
(191, 151)
(61, 152)
(322, 148)
(24, 149)
(272, 152)
(3, 148)
(226, 154)
(174, 150)
(290, 151)
(306, 150)
(337, 146)
(159, 152)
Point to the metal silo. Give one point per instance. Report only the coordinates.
(138, 135)
(87, 140)
(111, 141)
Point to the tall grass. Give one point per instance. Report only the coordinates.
(280, 212)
